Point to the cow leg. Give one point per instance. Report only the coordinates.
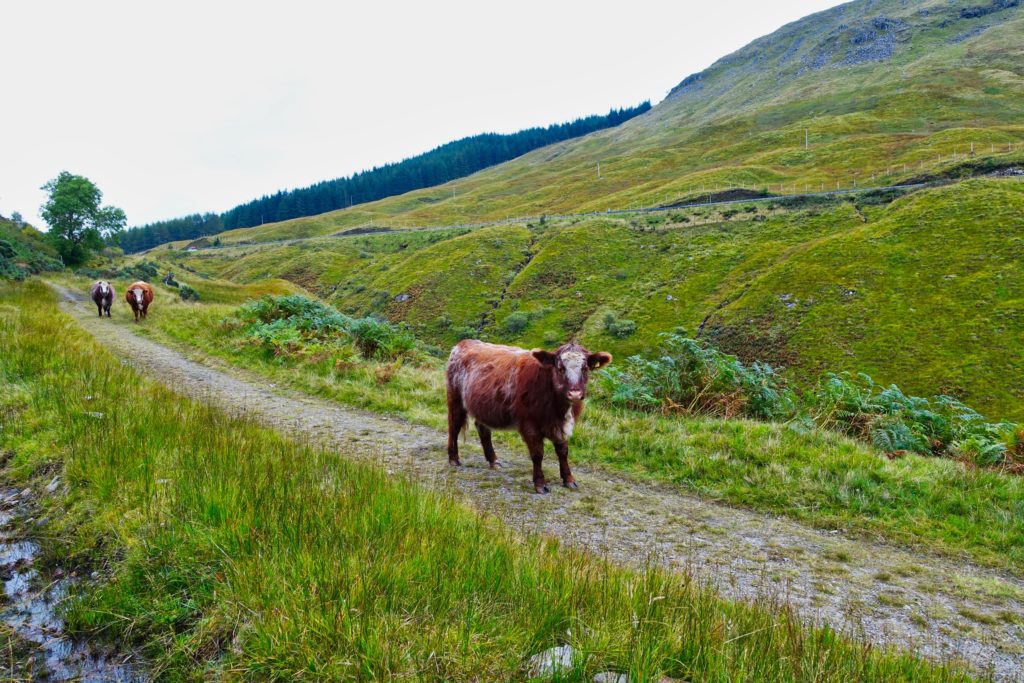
(485, 441)
(456, 422)
(99, 309)
(562, 449)
(535, 444)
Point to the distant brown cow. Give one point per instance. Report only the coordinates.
(537, 393)
(139, 296)
(103, 296)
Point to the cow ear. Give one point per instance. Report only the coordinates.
(545, 357)
(596, 361)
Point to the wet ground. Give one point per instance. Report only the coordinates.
(884, 594)
(36, 648)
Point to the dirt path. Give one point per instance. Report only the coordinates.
(887, 595)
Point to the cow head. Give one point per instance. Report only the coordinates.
(103, 286)
(570, 368)
(139, 295)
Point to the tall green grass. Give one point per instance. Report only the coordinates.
(231, 552)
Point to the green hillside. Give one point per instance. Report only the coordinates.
(922, 291)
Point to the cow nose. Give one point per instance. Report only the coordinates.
(575, 395)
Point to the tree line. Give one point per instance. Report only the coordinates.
(438, 166)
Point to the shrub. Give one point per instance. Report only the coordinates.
(6, 250)
(620, 329)
(188, 294)
(516, 322)
(10, 270)
(465, 332)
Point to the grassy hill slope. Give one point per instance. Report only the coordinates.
(930, 295)
(924, 292)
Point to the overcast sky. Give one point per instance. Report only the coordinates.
(198, 106)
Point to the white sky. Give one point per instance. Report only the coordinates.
(198, 106)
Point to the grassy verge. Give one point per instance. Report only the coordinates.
(234, 552)
(813, 476)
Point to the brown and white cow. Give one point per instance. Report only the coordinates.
(538, 393)
(103, 296)
(139, 296)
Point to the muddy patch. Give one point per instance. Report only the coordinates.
(31, 629)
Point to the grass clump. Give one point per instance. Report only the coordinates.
(228, 551)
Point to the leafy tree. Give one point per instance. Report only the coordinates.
(78, 223)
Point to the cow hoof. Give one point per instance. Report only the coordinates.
(496, 465)
(542, 489)
(570, 485)
(454, 463)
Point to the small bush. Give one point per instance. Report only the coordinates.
(465, 332)
(516, 322)
(187, 293)
(11, 271)
(620, 329)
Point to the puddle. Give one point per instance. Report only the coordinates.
(30, 609)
